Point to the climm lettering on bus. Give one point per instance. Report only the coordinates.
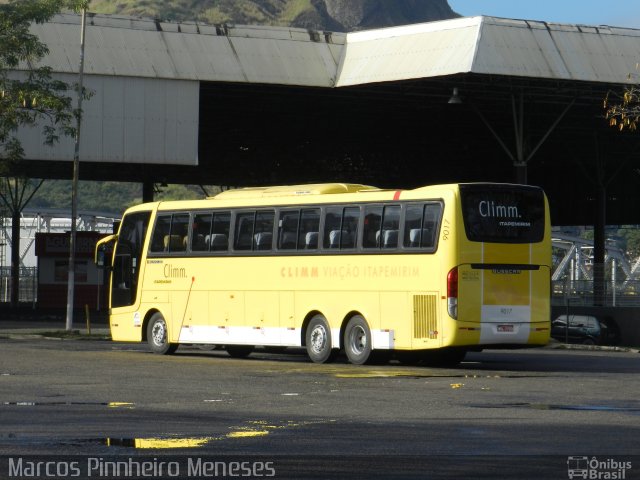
(174, 272)
(299, 272)
(489, 209)
(351, 271)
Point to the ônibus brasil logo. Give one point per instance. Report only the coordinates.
(594, 468)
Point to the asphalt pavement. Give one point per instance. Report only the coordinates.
(500, 414)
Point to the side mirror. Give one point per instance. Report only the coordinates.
(101, 257)
(100, 253)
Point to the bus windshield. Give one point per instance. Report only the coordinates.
(503, 213)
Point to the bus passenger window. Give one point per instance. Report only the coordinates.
(309, 227)
(161, 231)
(332, 227)
(263, 232)
(244, 231)
(372, 223)
(430, 224)
(350, 227)
(200, 231)
(219, 238)
(288, 229)
(390, 226)
(412, 226)
(179, 233)
(341, 227)
(420, 228)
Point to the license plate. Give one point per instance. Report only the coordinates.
(505, 328)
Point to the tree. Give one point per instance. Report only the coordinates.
(623, 111)
(631, 238)
(29, 97)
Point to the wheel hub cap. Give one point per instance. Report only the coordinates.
(318, 339)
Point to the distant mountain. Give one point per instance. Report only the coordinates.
(334, 15)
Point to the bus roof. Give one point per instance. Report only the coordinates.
(293, 190)
(304, 194)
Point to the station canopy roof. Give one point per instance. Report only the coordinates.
(287, 105)
(126, 46)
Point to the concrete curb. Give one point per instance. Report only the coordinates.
(55, 334)
(595, 348)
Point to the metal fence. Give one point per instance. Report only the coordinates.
(581, 293)
(28, 285)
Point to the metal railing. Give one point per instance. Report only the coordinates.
(28, 285)
(581, 293)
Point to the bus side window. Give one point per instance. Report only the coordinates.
(413, 226)
(200, 232)
(372, 223)
(421, 222)
(263, 232)
(349, 235)
(161, 231)
(341, 227)
(179, 233)
(430, 224)
(332, 227)
(309, 228)
(390, 226)
(219, 239)
(288, 229)
(244, 231)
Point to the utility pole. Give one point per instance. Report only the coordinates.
(74, 184)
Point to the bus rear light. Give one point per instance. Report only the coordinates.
(452, 293)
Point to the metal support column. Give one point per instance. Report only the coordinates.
(599, 225)
(522, 156)
(147, 191)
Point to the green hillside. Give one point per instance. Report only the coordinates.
(266, 12)
(108, 197)
(336, 15)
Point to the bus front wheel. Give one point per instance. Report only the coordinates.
(357, 340)
(158, 337)
(318, 340)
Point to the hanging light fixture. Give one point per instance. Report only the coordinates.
(455, 97)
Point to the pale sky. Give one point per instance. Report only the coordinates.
(618, 13)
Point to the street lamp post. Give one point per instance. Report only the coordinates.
(74, 184)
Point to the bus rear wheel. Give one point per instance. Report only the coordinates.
(357, 340)
(318, 341)
(158, 336)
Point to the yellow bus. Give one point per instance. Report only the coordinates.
(423, 275)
